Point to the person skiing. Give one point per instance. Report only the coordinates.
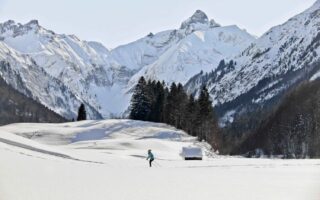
(150, 157)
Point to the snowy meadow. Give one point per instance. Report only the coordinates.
(107, 160)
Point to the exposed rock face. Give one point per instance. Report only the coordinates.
(198, 17)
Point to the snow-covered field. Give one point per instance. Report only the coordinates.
(106, 160)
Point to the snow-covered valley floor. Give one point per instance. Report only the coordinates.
(107, 160)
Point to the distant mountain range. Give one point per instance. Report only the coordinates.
(61, 71)
(72, 71)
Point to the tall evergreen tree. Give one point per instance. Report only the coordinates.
(206, 121)
(152, 93)
(171, 105)
(140, 101)
(205, 113)
(82, 114)
(205, 104)
(191, 116)
(165, 114)
(182, 100)
(158, 102)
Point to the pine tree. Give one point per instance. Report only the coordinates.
(182, 100)
(153, 94)
(82, 114)
(140, 101)
(191, 116)
(165, 114)
(158, 103)
(205, 104)
(206, 122)
(171, 105)
(205, 113)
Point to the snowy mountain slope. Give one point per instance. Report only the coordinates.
(24, 75)
(113, 165)
(200, 50)
(176, 55)
(84, 67)
(283, 57)
(144, 51)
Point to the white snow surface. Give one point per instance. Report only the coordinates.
(106, 160)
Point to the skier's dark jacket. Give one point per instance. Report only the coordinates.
(150, 156)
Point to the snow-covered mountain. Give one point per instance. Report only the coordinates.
(24, 75)
(102, 78)
(85, 68)
(177, 55)
(283, 57)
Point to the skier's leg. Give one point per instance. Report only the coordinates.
(150, 162)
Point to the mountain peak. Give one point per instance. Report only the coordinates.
(7, 25)
(214, 24)
(33, 22)
(18, 28)
(9, 22)
(198, 17)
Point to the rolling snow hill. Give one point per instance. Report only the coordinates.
(106, 159)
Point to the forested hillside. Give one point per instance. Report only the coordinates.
(15, 107)
(293, 130)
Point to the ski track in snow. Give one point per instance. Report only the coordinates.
(16, 144)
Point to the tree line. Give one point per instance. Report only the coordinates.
(153, 101)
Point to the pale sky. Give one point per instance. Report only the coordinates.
(116, 22)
